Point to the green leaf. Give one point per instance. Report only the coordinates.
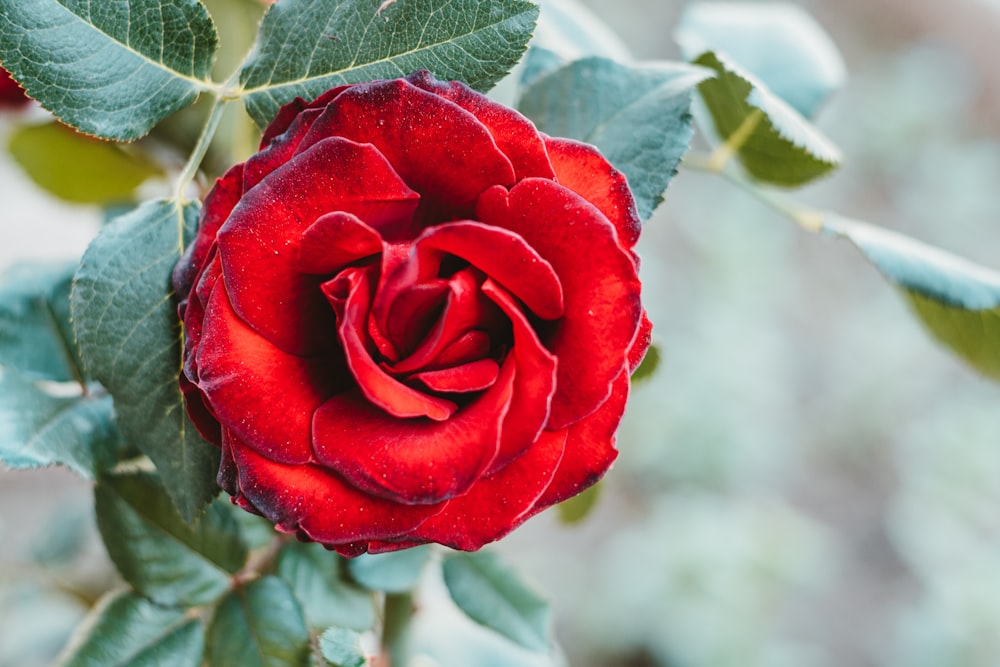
(577, 508)
(327, 597)
(165, 558)
(126, 630)
(393, 572)
(958, 301)
(111, 69)
(126, 323)
(39, 427)
(779, 43)
(568, 31)
(639, 116)
(36, 337)
(306, 47)
(78, 168)
(647, 368)
(774, 143)
(492, 594)
(259, 626)
(342, 648)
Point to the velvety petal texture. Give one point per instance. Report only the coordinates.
(411, 318)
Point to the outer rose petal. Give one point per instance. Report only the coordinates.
(514, 134)
(265, 396)
(12, 96)
(641, 343)
(437, 147)
(590, 449)
(412, 461)
(282, 303)
(219, 203)
(599, 282)
(288, 113)
(497, 504)
(317, 502)
(583, 170)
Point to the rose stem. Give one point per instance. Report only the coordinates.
(396, 629)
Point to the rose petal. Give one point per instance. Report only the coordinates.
(643, 338)
(265, 230)
(590, 449)
(289, 112)
(534, 382)
(316, 501)
(504, 257)
(497, 504)
(582, 169)
(514, 134)
(468, 347)
(265, 396)
(438, 148)
(336, 240)
(474, 376)
(219, 203)
(279, 149)
(417, 460)
(600, 288)
(350, 295)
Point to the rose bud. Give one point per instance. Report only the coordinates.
(411, 318)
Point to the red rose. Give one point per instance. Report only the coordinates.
(11, 94)
(411, 318)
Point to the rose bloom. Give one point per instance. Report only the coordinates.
(411, 318)
(11, 95)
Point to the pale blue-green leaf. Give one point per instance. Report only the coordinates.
(165, 558)
(318, 579)
(493, 595)
(393, 572)
(125, 319)
(568, 31)
(36, 337)
(127, 630)
(342, 648)
(43, 424)
(773, 141)
(639, 116)
(112, 68)
(958, 301)
(260, 625)
(779, 43)
(306, 47)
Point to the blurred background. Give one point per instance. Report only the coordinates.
(808, 480)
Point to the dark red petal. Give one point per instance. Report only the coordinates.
(473, 376)
(643, 338)
(200, 413)
(265, 230)
(465, 308)
(534, 382)
(194, 314)
(350, 295)
(411, 460)
(514, 134)
(496, 505)
(582, 169)
(317, 502)
(468, 347)
(289, 112)
(590, 449)
(279, 149)
(265, 396)
(219, 203)
(600, 288)
(438, 148)
(504, 257)
(336, 240)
